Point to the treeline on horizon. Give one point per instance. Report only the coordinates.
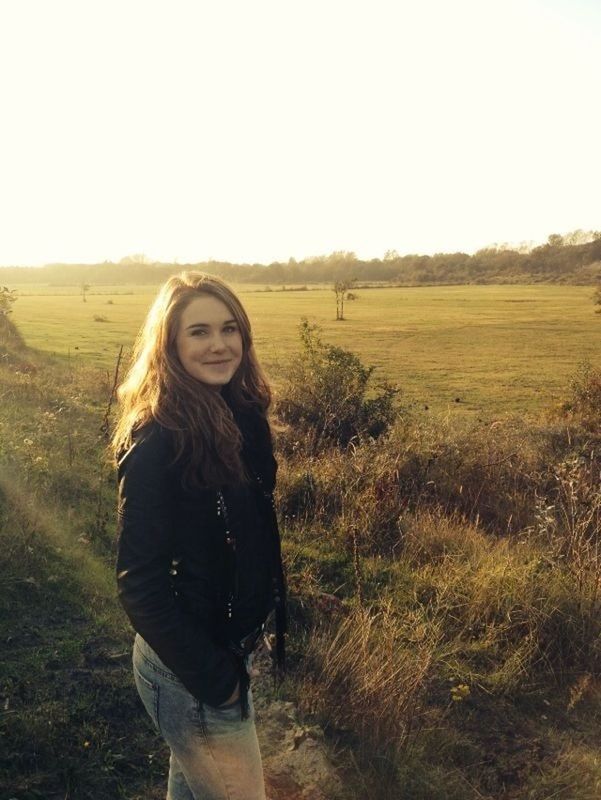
(572, 258)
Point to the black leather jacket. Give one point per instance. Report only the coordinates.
(187, 592)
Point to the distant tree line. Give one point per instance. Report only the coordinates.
(572, 258)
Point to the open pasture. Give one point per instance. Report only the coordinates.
(494, 349)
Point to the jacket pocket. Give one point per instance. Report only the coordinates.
(225, 706)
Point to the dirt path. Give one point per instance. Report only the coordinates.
(295, 758)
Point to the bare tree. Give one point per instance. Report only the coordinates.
(341, 289)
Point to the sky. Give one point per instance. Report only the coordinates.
(263, 130)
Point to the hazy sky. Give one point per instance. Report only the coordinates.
(256, 130)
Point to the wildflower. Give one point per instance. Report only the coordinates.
(86, 743)
(28, 442)
(460, 692)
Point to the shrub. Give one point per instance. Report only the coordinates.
(9, 334)
(584, 403)
(328, 397)
(568, 525)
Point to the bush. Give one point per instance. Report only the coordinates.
(10, 338)
(326, 397)
(584, 402)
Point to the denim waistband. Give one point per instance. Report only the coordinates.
(152, 656)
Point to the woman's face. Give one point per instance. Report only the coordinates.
(209, 341)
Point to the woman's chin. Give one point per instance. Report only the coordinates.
(214, 381)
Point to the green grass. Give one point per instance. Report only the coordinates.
(495, 348)
(70, 724)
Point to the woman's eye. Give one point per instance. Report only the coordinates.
(230, 328)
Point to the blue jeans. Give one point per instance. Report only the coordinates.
(214, 754)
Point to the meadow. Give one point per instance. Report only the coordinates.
(444, 578)
(479, 349)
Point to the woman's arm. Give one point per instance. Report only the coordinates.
(144, 552)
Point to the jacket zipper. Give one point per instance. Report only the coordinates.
(230, 541)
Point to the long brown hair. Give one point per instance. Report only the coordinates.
(157, 387)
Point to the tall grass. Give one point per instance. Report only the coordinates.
(470, 575)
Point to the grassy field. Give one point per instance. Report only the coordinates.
(445, 580)
(495, 348)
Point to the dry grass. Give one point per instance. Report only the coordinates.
(360, 674)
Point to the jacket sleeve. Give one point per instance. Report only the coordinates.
(144, 554)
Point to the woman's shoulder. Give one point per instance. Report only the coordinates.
(149, 440)
(151, 429)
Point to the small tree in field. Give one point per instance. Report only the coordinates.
(85, 287)
(341, 289)
(597, 299)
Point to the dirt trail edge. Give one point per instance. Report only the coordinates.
(295, 757)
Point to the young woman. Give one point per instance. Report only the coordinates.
(199, 566)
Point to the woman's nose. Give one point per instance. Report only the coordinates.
(217, 343)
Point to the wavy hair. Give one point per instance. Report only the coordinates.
(208, 441)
